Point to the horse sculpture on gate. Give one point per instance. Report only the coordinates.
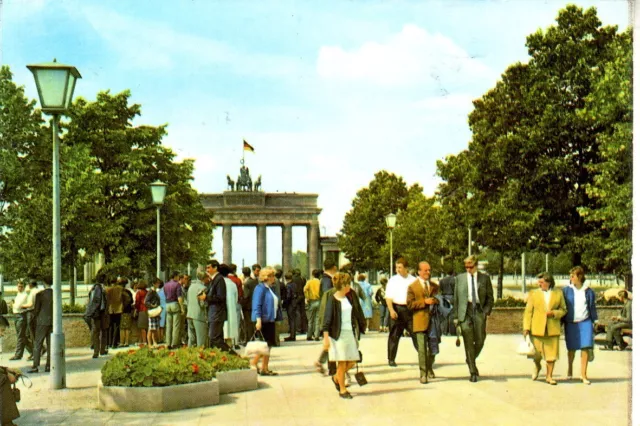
(230, 183)
(258, 185)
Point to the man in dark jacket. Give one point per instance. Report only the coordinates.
(292, 307)
(97, 315)
(301, 312)
(216, 297)
(43, 314)
(447, 288)
(330, 270)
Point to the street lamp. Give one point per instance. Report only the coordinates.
(391, 223)
(55, 83)
(158, 190)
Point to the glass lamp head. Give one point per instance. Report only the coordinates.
(391, 220)
(158, 191)
(56, 83)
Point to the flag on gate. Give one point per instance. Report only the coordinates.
(246, 146)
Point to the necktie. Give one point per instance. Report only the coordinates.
(473, 293)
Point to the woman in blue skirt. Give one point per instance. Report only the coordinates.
(578, 323)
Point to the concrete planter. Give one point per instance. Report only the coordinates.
(237, 380)
(158, 399)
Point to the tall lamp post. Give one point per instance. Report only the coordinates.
(391, 223)
(158, 190)
(55, 83)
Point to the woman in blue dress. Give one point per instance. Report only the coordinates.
(367, 303)
(578, 323)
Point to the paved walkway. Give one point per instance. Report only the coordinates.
(505, 394)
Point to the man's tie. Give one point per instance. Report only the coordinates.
(473, 293)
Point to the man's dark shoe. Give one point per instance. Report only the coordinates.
(309, 339)
(317, 339)
(32, 370)
(289, 339)
(473, 378)
(15, 358)
(95, 356)
(424, 380)
(104, 353)
(622, 347)
(392, 364)
(47, 369)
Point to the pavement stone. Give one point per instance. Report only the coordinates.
(505, 394)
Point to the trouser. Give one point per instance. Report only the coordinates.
(291, 314)
(43, 332)
(301, 319)
(312, 318)
(114, 330)
(99, 336)
(249, 326)
(216, 335)
(473, 330)
(384, 315)
(173, 324)
(614, 333)
(197, 332)
(425, 357)
(403, 322)
(22, 337)
(446, 322)
(31, 327)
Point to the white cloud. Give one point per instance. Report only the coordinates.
(21, 9)
(407, 58)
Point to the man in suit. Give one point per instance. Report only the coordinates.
(43, 314)
(97, 315)
(300, 309)
(292, 307)
(472, 303)
(216, 297)
(420, 299)
(396, 297)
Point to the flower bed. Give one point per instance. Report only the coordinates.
(149, 367)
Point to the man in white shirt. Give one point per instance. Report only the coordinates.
(22, 335)
(29, 307)
(472, 304)
(400, 316)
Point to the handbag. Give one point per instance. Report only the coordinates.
(256, 347)
(526, 347)
(16, 392)
(360, 377)
(154, 312)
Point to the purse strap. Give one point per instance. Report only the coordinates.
(255, 336)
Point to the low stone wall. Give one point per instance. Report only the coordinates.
(77, 334)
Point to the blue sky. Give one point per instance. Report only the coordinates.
(328, 92)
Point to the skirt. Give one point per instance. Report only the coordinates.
(154, 323)
(345, 348)
(143, 320)
(579, 335)
(125, 322)
(269, 333)
(547, 346)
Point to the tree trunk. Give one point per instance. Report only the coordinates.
(500, 274)
(628, 282)
(576, 259)
(72, 288)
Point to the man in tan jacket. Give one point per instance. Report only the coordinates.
(420, 298)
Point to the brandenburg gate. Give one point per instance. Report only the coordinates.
(245, 204)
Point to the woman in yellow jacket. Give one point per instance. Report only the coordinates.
(545, 308)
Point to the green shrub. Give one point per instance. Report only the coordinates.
(73, 309)
(509, 302)
(163, 367)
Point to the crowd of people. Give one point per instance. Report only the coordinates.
(223, 310)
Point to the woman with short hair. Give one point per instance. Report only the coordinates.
(141, 310)
(152, 301)
(578, 323)
(545, 308)
(343, 321)
(265, 311)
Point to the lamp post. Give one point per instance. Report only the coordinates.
(391, 223)
(158, 190)
(55, 83)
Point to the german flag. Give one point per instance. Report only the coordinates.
(246, 146)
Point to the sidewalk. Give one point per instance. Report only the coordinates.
(505, 394)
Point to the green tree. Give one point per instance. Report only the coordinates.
(364, 233)
(299, 261)
(609, 108)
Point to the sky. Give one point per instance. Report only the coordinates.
(328, 93)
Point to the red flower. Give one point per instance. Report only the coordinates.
(201, 355)
(194, 368)
(141, 345)
(131, 351)
(172, 353)
(224, 359)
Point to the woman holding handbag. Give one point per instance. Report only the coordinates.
(265, 311)
(154, 310)
(545, 308)
(343, 320)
